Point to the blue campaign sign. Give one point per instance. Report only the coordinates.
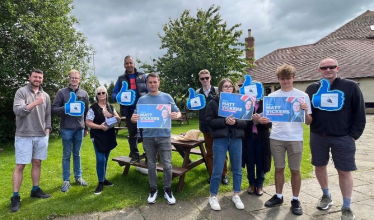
(154, 116)
(326, 99)
(252, 88)
(195, 102)
(126, 96)
(237, 105)
(74, 107)
(284, 109)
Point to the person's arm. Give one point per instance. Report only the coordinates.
(20, 106)
(358, 114)
(211, 119)
(86, 103)
(48, 126)
(91, 124)
(58, 106)
(116, 89)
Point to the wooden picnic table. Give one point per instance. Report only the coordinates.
(188, 147)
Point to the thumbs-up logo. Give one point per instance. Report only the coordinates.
(125, 96)
(74, 107)
(252, 89)
(326, 99)
(195, 102)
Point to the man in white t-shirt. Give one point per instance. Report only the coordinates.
(288, 137)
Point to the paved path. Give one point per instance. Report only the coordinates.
(362, 198)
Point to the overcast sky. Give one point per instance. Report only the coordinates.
(116, 28)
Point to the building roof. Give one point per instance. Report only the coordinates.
(352, 46)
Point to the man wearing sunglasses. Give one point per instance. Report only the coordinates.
(73, 129)
(137, 82)
(209, 92)
(336, 130)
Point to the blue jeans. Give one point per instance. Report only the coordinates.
(220, 148)
(71, 140)
(101, 164)
(255, 162)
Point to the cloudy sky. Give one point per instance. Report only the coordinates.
(116, 28)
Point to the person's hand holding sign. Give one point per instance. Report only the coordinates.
(174, 115)
(326, 99)
(230, 120)
(125, 96)
(134, 118)
(74, 107)
(195, 102)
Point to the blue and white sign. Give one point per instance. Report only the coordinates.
(74, 107)
(284, 109)
(326, 99)
(154, 116)
(195, 101)
(252, 89)
(236, 105)
(126, 96)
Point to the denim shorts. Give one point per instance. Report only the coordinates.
(28, 148)
(343, 151)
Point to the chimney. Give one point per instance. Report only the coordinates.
(250, 43)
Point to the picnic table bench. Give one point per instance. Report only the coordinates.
(188, 149)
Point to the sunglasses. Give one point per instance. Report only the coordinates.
(228, 87)
(328, 67)
(101, 93)
(206, 78)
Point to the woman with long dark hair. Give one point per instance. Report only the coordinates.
(227, 135)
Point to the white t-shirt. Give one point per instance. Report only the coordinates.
(286, 131)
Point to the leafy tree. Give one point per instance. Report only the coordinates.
(110, 90)
(38, 34)
(196, 43)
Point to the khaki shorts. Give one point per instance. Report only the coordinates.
(294, 153)
(28, 148)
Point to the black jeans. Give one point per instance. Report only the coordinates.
(132, 129)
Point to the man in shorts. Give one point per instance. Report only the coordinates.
(288, 137)
(336, 130)
(32, 107)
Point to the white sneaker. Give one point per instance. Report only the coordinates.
(142, 170)
(169, 196)
(238, 202)
(213, 202)
(152, 196)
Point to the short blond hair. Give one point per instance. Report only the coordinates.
(74, 71)
(204, 71)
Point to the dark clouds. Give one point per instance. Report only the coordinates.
(118, 28)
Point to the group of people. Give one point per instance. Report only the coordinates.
(257, 140)
(250, 143)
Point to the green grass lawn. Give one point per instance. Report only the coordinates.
(128, 191)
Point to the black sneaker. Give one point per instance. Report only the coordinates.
(296, 207)
(108, 183)
(39, 194)
(274, 201)
(99, 188)
(15, 203)
(134, 159)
